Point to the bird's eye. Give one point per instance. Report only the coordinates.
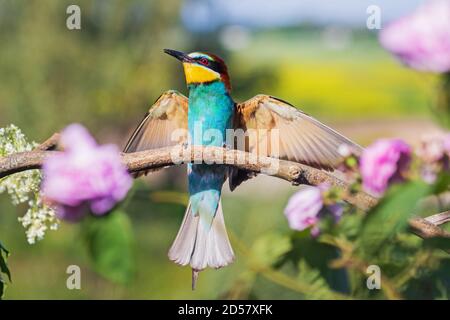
(203, 61)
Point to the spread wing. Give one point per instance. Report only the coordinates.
(159, 127)
(299, 138)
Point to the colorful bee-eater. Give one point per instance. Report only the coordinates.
(202, 240)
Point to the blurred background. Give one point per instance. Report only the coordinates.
(318, 55)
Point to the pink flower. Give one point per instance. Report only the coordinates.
(84, 176)
(302, 210)
(434, 147)
(422, 39)
(306, 207)
(383, 163)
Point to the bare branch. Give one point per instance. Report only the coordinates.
(22, 161)
(439, 218)
(293, 172)
(50, 143)
(426, 229)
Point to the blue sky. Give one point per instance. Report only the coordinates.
(209, 14)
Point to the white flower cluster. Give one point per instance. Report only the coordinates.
(38, 219)
(25, 187)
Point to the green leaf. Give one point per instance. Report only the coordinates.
(3, 269)
(313, 277)
(438, 242)
(442, 183)
(269, 248)
(2, 288)
(109, 242)
(317, 255)
(391, 215)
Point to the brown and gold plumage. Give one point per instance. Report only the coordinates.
(301, 137)
(168, 113)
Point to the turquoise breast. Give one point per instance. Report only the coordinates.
(210, 113)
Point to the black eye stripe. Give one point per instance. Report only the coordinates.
(213, 65)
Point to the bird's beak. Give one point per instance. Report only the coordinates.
(183, 57)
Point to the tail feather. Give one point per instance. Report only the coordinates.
(183, 245)
(201, 245)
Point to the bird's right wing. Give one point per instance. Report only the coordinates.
(301, 138)
(157, 129)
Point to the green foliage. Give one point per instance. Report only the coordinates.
(441, 105)
(109, 242)
(438, 242)
(306, 250)
(319, 287)
(338, 260)
(442, 183)
(390, 216)
(268, 249)
(111, 69)
(3, 269)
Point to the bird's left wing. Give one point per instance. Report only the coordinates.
(158, 128)
(299, 137)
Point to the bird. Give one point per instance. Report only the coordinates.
(202, 240)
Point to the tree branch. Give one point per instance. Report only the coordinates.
(50, 143)
(426, 229)
(22, 161)
(293, 172)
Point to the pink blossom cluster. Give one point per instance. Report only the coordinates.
(85, 176)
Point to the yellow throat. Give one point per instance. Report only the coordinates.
(198, 74)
